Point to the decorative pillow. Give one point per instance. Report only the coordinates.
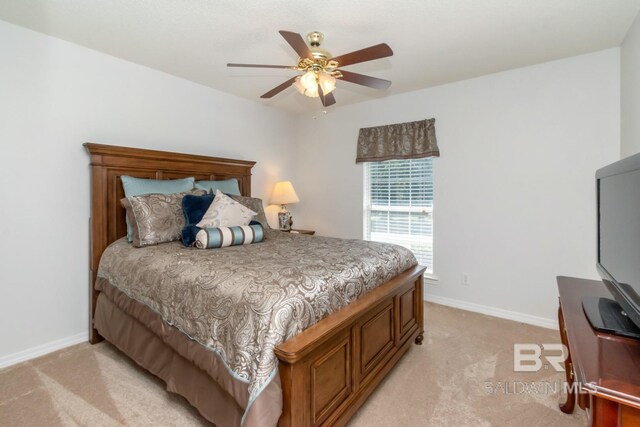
(228, 186)
(193, 208)
(139, 186)
(189, 233)
(225, 212)
(255, 204)
(155, 218)
(220, 237)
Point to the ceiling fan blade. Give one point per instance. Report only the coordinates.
(261, 66)
(378, 51)
(276, 90)
(328, 99)
(361, 79)
(298, 44)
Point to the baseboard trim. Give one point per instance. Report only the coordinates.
(41, 350)
(492, 311)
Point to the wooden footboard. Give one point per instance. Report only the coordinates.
(330, 369)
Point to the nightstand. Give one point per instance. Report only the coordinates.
(295, 231)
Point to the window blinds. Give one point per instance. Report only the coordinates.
(399, 205)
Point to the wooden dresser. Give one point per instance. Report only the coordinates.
(603, 370)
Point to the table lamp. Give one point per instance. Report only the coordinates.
(284, 194)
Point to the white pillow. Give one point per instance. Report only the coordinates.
(226, 212)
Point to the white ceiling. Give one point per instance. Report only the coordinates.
(434, 41)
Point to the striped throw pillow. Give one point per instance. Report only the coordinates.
(220, 237)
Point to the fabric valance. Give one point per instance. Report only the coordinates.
(411, 140)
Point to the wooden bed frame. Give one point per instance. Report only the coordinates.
(328, 370)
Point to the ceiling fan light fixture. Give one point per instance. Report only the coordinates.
(327, 82)
(298, 85)
(307, 84)
(312, 93)
(309, 80)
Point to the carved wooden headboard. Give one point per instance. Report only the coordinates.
(109, 163)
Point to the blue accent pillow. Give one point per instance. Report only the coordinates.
(139, 186)
(188, 234)
(194, 208)
(227, 186)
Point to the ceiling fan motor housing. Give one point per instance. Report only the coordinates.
(315, 39)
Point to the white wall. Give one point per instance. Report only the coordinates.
(630, 91)
(514, 188)
(56, 95)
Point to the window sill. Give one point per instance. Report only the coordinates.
(431, 277)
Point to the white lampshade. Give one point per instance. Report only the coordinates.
(298, 85)
(327, 81)
(307, 84)
(283, 194)
(309, 80)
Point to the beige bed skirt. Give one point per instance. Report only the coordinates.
(187, 367)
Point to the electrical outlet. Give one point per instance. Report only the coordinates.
(465, 279)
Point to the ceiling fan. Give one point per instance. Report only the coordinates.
(321, 69)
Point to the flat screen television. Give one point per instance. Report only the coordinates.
(618, 195)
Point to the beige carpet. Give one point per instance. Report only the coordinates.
(461, 376)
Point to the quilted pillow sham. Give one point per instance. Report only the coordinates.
(221, 237)
(138, 186)
(225, 212)
(156, 218)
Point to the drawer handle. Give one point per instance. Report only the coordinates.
(571, 375)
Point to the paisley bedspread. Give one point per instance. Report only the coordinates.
(243, 301)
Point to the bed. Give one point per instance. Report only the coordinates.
(322, 374)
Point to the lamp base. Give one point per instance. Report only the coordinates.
(284, 220)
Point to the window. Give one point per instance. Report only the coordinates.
(399, 205)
